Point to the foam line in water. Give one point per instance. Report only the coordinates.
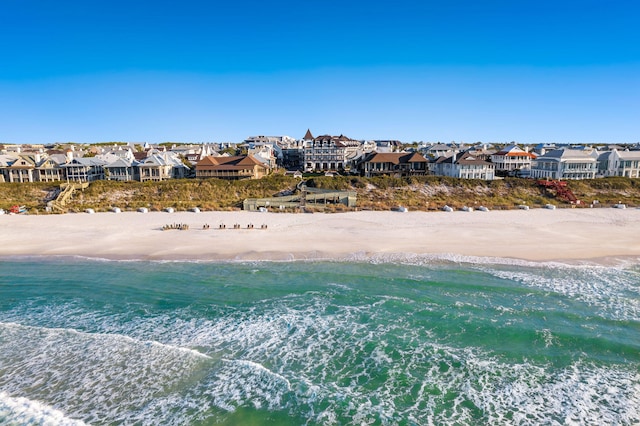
(616, 292)
(260, 368)
(96, 378)
(447, 258)
(26, 412)
(109, 336)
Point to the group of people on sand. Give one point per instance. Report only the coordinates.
(238, 226)
(179, 226)
(184, 226)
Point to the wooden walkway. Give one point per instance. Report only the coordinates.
(305, 197)
(66, 192)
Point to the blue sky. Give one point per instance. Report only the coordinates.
(192, 71)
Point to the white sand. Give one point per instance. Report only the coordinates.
(567, 234)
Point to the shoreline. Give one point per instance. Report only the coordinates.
(600, 236)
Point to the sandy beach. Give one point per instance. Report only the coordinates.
(536, 235)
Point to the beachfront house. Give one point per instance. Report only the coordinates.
(463, 165)
(231, 167)
(121, 164)
(397, 164)
(31, 167)
(22, 169)
(122, 169)
(84, 169)
(621, 163)
(330, 153)
(566, 163)
(510, 160)
(50, 170)
(161, 166)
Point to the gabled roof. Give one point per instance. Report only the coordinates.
(208, 161)
(120, 162)
(514, 151)
(445, 159)
(629, 155)
(416, 157)
(57, 158)
(568, 154)
(24, 161)
(153, 160)
(161, 159)
(51, 162)
(85, 161)
(439, 147)
(469, 159)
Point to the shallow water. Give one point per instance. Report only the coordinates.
(420, 342)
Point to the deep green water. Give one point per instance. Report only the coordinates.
(431, 342)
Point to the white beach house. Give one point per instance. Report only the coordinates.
(566, 163)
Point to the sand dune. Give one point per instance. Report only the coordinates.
(563, 234)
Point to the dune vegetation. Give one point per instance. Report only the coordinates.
(379, 193)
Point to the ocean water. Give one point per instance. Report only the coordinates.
(406, 342)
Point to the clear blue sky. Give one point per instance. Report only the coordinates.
(490, 70)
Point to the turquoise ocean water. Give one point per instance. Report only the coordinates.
(318, 343)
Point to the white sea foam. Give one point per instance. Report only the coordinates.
(329, 355)
(114, 337)
(615, 291)
(260, 368)
(92, 377)
(416, 259)
(527, 394)
(328, 360)
(25, 412)
(422, 259)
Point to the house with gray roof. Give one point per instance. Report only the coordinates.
(22, 169)
(162, 166)
(84, 169)
(122, 169)
(566, 163)
(620, 163)
(464, 165)
(50, 170)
